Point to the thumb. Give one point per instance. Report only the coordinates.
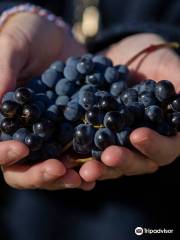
(12, 60)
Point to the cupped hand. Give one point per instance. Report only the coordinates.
(28, 45)
(153, 149)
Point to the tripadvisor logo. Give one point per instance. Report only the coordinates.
(139, 231)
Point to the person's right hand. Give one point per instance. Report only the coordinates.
(28, 45)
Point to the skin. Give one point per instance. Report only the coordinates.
(22, 43)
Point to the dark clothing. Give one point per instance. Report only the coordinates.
(114, 208)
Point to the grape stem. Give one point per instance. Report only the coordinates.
(67, 146)
(152, 48)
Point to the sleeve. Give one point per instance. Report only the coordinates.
(116, 33)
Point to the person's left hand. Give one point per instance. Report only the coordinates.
(154, 150)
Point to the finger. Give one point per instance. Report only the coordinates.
(129, 162)
(70, 180)
(87, 186)
(159, 148)
(94, 170)
(12, 59)
(36, 176)
(11, 152)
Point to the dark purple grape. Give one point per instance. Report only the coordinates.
(84, 134)
(23, 95)
(111, 75)
(123, 137)
(50, 77)
(31, 113)
(44, 129)
(123, 72)
(34, 142)
(9, 126)
(117, 88)
(65, 87)
(108, 103)
(9, 96)
(10, 109)
(129, 96)
(175, 104)
(175, 120)
(147, 99)
(96, 153)
(146, 86)
(154, 113)
(21, 134)
(164, 90)
(58, 66)
(95, 116)
(73, 111)
(114, 121)
(85, 65)
(104, 138)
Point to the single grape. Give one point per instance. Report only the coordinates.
(87, 99)
(85, 65)
(9, 96)
(129, 96)
(97, 79)
(147, 99)
(10, 109)
(108, 103)
(154, 113)
(62, 101)
(44, 128)
(102, 61)
(65, 87)
(21, 134)
(33, 141)
(175, 120)
(96, 153)
(73, 111)
(123, 137)
(104, 138)
(111, 75)
(50, 77)
(114, 120)
(23, 95)
(58, 66)
(84, 134)
(95, 116)
(31, 113)
(9, 126)
(123, 72)
(117, 88)
(147, 86)
(175, 104)
(164, 90)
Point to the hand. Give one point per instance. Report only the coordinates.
(28, 45)
(154, 150)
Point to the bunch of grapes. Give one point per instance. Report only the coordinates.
(85, 105)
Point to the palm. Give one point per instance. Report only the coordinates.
(157, 65)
